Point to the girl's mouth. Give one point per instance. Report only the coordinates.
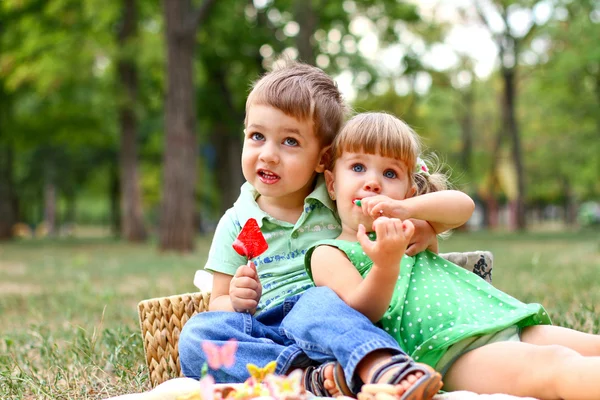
(268, 177)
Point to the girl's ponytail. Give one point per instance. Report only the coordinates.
(426, 180)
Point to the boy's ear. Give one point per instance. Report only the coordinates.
(324, 158)
(329, 181)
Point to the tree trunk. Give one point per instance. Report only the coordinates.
(180, 157)
(8, 203)
(229, 170)
(510, 124)
(50, 206)
(466, 124)
(132, 217)
(114, 195)
(308, 20)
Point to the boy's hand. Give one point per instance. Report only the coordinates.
(245, 289)
(383, 206)
(393, 236)
(423, 239)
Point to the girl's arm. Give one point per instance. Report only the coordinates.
(445, 210)
(372, 295)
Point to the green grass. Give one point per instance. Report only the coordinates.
(68, 318)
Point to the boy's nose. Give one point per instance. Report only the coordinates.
(269, 155)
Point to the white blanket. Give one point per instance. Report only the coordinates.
(173, 388)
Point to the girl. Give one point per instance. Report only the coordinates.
(441, 314)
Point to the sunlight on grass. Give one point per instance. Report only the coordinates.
(68, 317)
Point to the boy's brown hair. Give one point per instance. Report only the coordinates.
(305, 93)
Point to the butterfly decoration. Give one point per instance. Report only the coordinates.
(258, 374)
(250, 242)
(217, 356)
(206, 391)
(280, 386)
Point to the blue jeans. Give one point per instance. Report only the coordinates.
(311, 328)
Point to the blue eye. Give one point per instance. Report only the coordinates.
(290, 142)
(358, 168)
(257, 136)
(390, 174)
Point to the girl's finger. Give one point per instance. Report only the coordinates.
(363, 239)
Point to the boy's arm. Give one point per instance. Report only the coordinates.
(219, 297)
(223, 262)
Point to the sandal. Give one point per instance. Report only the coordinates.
(314, 380)
(423, 389)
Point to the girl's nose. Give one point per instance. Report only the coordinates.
(372, 185)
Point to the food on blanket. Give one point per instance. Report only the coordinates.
(250, 242)
(217, 356)
(259, 374)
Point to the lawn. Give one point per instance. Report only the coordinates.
(68, 318)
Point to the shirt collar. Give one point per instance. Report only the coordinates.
(246, 207)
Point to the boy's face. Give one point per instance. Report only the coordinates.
(281, 155)
(358, 175)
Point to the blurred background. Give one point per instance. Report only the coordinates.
(125, 117)
(121, 128)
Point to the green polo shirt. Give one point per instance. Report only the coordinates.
(280, 268)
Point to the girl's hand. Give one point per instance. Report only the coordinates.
(245, 289)
(393, 236)
(383, 206)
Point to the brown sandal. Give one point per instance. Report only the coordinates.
(423, 389)
(314, 380)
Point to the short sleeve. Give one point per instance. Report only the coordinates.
(221, 256)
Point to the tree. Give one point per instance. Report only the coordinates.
(510, 45)
(177, 216)
(132, 218)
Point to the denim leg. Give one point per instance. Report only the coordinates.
(326, 329)
(259, 342)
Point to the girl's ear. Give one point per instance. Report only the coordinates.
(324, 158)
(412, 191)
(329, 181)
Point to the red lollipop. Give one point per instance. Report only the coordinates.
(250, 242)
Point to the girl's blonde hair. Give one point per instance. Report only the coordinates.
(385, 135)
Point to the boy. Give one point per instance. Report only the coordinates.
(292, 117)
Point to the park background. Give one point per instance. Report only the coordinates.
(121, 131)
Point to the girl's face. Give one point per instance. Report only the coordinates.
(357, 175)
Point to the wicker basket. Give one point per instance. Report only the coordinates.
(161, 319)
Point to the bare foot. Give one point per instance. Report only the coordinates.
(329, 382)
(404, 385)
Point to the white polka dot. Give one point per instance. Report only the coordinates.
(446, 338)
(408, 313)
(430, 347)
(398, 318)
(362, 264)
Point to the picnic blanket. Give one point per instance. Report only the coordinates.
(173, 388)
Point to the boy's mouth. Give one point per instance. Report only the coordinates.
(268, 177)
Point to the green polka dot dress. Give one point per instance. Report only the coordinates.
(437, 304)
